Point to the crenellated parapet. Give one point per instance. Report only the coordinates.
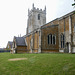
(36, 18)
(36, 10)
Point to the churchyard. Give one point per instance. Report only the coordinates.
(37, 64)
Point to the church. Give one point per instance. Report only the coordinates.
(56, 36)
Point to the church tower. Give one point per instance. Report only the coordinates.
(36, 18)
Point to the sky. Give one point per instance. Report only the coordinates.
(14, 15)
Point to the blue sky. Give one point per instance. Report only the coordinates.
(13, 15)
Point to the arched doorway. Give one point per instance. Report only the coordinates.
(67, 47)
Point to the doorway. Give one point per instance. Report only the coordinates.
(67, 50)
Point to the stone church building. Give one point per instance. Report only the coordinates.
(55, 36)
(41, 37)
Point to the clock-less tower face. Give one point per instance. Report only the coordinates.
(36, 18)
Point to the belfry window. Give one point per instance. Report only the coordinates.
(38, 16)
(62, 41)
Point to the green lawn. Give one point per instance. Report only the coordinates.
(37, 64)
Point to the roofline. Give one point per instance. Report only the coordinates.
(49, 26)
(69, 14)
(49, 22)
(32, 32)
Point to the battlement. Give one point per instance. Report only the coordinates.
(36, 18)
(36, 10)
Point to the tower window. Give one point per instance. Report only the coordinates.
(38, 16)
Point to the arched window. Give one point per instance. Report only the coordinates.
(62, 40)
(54, 39)
(51, 39)
(48, 39)
(38, 16)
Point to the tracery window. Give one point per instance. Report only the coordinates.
(54, 39)
(51, 39)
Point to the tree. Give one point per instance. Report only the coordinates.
(73, 3)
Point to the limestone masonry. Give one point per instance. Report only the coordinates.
(55, 36)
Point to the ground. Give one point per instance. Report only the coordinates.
(37, 64)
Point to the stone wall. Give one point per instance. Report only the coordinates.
(28, 40)
(73, 33)
(37, 40)
(33, 41)
(45, 31)
(66, 27)
(21, 49)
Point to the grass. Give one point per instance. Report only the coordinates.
(37, 64)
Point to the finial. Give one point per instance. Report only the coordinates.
(28, 10)
(33, 5)
(45, 8)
